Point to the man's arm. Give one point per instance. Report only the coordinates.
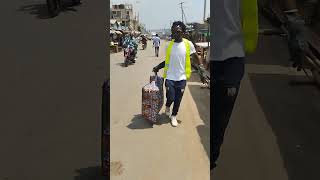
(160, 66)
(201, 69)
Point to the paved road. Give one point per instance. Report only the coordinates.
(274, 131)
(52, 71)
(140, 152)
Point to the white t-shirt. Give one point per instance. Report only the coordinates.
(177, 65)
(156, 41)
(227, 30)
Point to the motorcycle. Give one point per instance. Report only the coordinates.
(144, 45)
(129, 56)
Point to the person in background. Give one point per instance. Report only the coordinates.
(156, 44)
(144, 40)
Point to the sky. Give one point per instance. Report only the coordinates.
(157, 14)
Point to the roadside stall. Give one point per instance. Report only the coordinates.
(115, 40)
(113, 46)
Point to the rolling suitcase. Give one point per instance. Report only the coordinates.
(150, 102)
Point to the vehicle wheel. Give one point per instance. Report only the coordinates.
(125, 63)
(53, 7)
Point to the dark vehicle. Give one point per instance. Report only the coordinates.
(54, 6)
(128, 56)
(144, 45)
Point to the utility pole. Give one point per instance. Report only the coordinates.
(181, 9)
(204, 11)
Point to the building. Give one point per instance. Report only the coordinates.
(199, 31)
(123, 13)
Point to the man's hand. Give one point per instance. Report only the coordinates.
(155, 69)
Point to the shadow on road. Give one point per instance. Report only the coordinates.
(164, 119)
(304, 82)
(293, 112)
(202, 99)
(120, 64)
(41, 10)
(90, 173)
(138, 122)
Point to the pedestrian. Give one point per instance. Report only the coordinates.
(177, 68)
(144, 41)
(235, 33)
(156, 44)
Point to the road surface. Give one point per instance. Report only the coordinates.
(140, 152)
(52, 71)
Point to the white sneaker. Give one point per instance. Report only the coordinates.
(167, 111)
(174, 121)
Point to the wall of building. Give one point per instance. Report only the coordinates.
(124, 13)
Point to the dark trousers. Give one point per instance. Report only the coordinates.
(226, 77)
(175, 90)
(156, 49)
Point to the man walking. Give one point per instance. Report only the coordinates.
(156, 44)
(177, 68)
(235, 32)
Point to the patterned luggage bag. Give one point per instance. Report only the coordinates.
(150, 102)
